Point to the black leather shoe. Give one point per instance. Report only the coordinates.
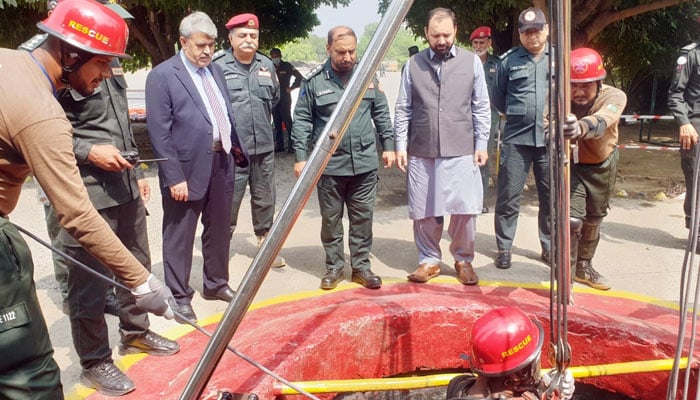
(331, 278)
(367, 278)
(503, 259)
(111, 303)
(107, 379)
(186, 311)
(149, 343)
(225, 293)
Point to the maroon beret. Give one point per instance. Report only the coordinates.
(480, 32)
(243, 21)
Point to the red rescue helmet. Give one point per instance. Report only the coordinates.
(88, 26)
(586, 66)
(505, 341)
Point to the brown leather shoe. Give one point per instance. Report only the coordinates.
(424, 273)
(465, 273)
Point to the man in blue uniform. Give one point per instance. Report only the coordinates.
(521, 91)
(254, 92)
(350, 178)
(684, 103)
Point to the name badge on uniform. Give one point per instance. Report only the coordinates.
(230, 76)
(117, 71)
(265, 72)
(324, 92)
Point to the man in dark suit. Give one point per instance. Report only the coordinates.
(190, 122)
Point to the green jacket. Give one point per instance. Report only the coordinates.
(357, 152)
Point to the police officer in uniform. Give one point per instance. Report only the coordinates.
(598, 108)
(521, 91)
(350, 178)
(684, 103)
(35, 137)
(481, 43)
(282, 114)
(254, 92)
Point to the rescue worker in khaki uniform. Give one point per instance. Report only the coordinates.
(481, 43)
(282, 114)
(594, 153)
(503, 373)
(101, 130)
(684, 103)
(350, 178)
(35, 137)
(254, 92)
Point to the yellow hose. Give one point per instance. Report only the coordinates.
(427, 381)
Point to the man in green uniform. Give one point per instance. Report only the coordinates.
(350, 178)
(594, 147)
(481, 43)
(684, 103)
(521, 91)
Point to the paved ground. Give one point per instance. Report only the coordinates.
(641, 251)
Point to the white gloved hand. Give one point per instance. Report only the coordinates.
(561, 386)
(571, 128)
(154, 297)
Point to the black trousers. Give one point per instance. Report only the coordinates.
(358, 194)
(27, 367)
(86, 293)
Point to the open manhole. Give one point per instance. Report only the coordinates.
(583, 392)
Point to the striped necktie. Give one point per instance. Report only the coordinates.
(219, 114)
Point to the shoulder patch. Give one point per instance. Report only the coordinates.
(263, 56)
(219, 54)
(682, 60)
(33, 43)
(507, 53)
(314, 72)
(689, 47)
(613, 108)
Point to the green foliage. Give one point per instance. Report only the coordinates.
(311, 49)
(154, 30)
(398, 51)
(641, 52)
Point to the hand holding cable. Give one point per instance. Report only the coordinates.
(154, 297)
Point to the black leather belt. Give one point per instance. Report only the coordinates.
(217, 146)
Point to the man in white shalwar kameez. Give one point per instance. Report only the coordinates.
(441, 127)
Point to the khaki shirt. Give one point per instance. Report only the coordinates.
(609, 106)
(36, 137)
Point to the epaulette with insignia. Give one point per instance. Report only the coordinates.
(504, 55)
(686, 49)
(33, 43)
(264, 56)
(314, 72)
(218, 54)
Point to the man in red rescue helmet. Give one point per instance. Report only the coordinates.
(597, 108)
(505, 349)
(35, 137)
